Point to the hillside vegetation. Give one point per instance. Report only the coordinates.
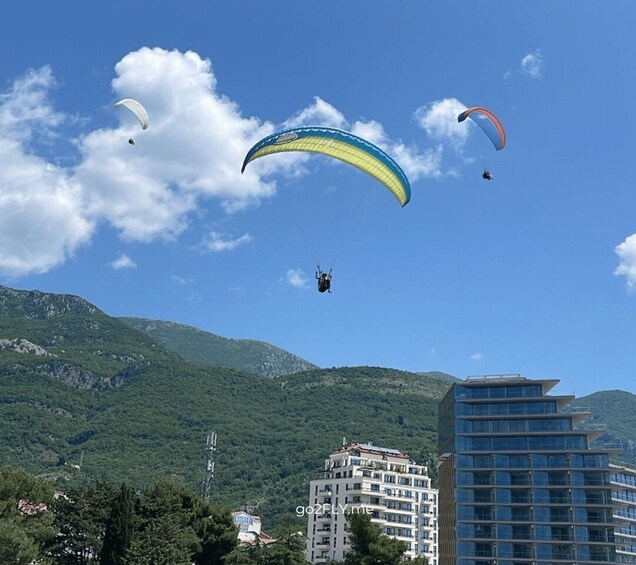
(616, 411)
(80, 386)
(205, 348)
(89, 388)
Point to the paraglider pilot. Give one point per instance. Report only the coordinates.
(131, 141)
(324, 280)
(486, 175)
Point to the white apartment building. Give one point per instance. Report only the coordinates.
(623, 481)
(384, 483)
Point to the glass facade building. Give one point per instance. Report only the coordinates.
(518, 482)
(623, 480)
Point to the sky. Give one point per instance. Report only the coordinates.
(532, 273)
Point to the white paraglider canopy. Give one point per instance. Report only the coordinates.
(136, 108)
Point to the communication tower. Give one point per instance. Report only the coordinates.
(210, 448)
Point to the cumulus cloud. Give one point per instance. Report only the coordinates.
(123, 262)
(321, 113)
(43, 221)
(476, 357)
(25, 108)
(532, 64)
(192, 150)
(297, 278)
(216, 241)
(439, 120)
(626, 252)
(416, 164)
(191, 153)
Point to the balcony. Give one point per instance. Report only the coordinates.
(323, 543)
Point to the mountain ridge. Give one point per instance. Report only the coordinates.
(78, 385)
(209, 349)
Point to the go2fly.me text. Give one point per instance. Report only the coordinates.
(327, 509)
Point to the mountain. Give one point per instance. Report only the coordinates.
(204, 348)
(615, 411)
(66, 338)
(79, 386)
(441, 377)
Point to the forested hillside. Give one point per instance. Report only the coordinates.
(615, 410)
(81, 387)
(78, 385)
(205, 348)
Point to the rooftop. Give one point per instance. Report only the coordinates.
(370, 448)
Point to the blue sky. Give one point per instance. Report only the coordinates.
(532, 273)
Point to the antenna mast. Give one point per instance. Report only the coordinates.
(210, 448)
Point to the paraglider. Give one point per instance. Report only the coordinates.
(491, 126)
(138, 111)
(488, 122)
(324, 280)
(340, 145)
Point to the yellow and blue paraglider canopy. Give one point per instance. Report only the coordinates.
(488, 122)
(341, 145)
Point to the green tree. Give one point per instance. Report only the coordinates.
(161, 541)
(369, 546)
(26, 523)
(80, 517)
(289, 549)
(216, 530)
(119, 528)
(174, 526)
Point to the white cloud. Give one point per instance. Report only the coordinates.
(297, 278)
(319, 113)
(626, 252)
(439, 120)
(216, 242)
(193, 148)
(191, 152)
(123, 262)
(415, 164)
(181, 280)
(476, 357)
(43, 222)
(532, 64)
(25, 107)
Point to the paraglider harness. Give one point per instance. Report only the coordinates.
(486, 175)
(324, 280)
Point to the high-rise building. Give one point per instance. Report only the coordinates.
(518, 483)
(384, 483)
(623, 481)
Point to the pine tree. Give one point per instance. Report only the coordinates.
(119, 528)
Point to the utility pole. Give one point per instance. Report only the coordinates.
(210, 448)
